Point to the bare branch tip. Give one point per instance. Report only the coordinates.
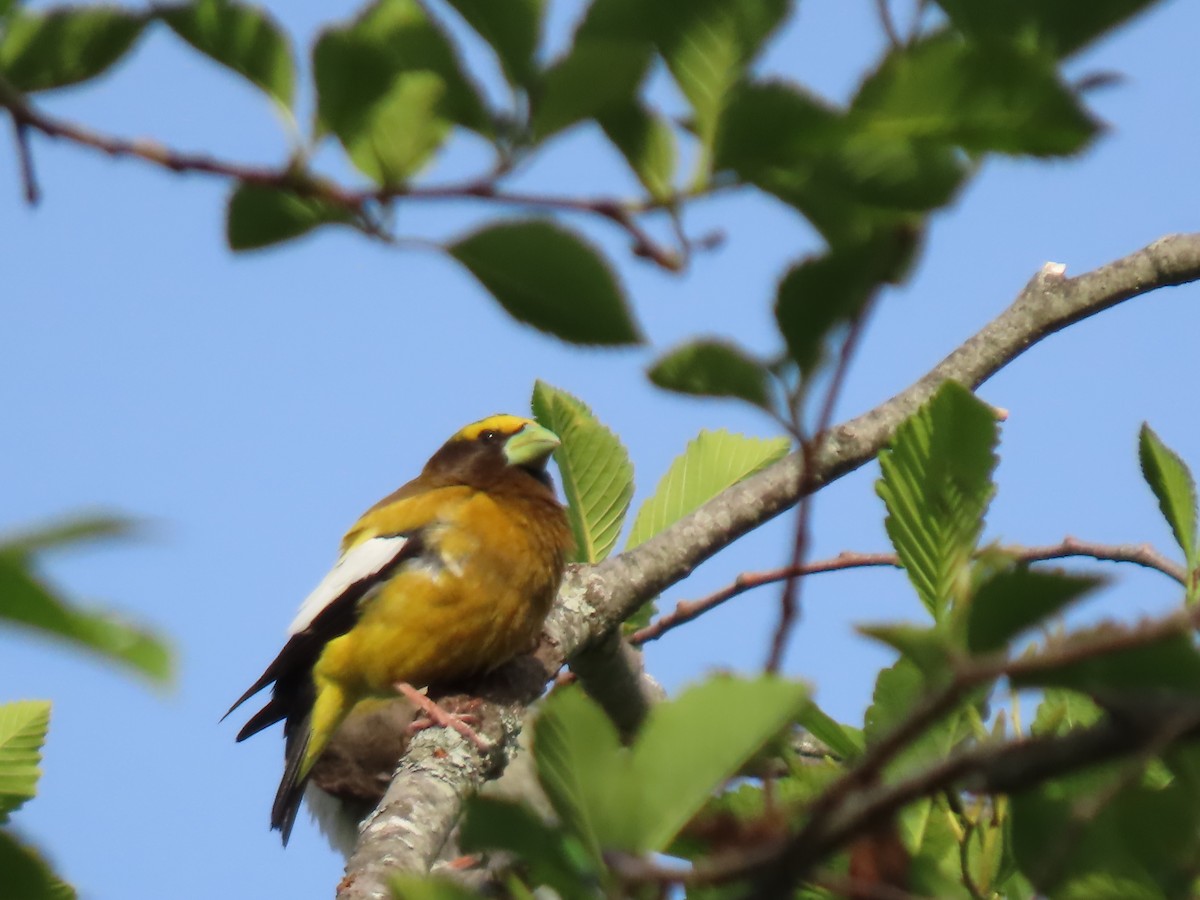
(25, 156)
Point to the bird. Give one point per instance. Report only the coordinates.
(447, 578)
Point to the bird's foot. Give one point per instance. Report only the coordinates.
(461, 719)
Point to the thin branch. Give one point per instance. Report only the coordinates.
(687, 610)
(889, 25)
(289, 178)
(595, 599)
(1139, 554)
(25, 156)
(855, 801)
(914, 25)
(1002, 768)
(789, 603)
(11, 99)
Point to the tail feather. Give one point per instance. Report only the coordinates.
(263, 680)
(273, 712)
(306, 733)
(298, 735)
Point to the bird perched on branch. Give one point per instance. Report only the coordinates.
(447, 578)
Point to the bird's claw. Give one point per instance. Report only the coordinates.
(460, 720)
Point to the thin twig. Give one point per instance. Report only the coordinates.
(840, 812)
(889, 25)
(687, 610)
(621, 213)
(25, 155)
(914, 25)
(789, 604)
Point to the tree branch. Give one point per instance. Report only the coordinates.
(856, 801)
(293, 179)
(593, 600)
(687, 610)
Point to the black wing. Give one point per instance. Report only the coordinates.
(291, 672)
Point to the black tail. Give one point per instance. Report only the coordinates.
(296, 732)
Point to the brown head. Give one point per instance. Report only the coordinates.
(493, 451)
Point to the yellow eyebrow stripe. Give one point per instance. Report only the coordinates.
(504, 424)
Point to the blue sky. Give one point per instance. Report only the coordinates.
(249, 408)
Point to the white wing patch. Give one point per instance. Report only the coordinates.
(359, 563)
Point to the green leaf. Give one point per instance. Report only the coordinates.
(711, 462)
(609, 56)
(845, 741)
(824, 292)
(27, 602)
(682, 755)
(426, 887)
(585, 773)
(900, 689)
(638, 799)
(550, 278)
(67, 533)
(936, 844)
(982, 98)
(598, 76)
(490, 824)
(928, 648)
(647, 142)
(1170, 666)
(597, 476)
(23, 727)
(1062, 710)
(39, 51)
(240, 37)
(1062, 27)
(708, 45)
(1011, 601)
(390, 87)
(713, 368)
(848, 180)
(258, 217)
(26, 874)
(937, 485)
(1141, 843)
(512, 29)
(388, 137)
(1175, 489)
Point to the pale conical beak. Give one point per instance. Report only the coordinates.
(532, 445)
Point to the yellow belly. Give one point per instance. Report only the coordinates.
(465, 607)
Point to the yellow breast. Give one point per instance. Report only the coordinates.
(474, 597)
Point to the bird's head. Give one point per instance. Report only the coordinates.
(494, 447)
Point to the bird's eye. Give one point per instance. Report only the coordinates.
(488, 436)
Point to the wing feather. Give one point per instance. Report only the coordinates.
(362, 562)
(328, 612)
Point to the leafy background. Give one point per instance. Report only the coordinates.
(249, 408)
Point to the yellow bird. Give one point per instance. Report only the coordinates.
(449, 577)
